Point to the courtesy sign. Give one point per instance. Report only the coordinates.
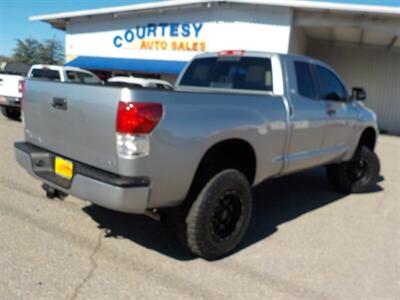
(163, 36)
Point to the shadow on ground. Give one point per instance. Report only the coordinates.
(276, 201)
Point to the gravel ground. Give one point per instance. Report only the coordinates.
(305, 241)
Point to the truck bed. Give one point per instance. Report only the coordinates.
(85, 130)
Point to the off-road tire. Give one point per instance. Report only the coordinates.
(346, 178)
(11, 113)
(227, 194)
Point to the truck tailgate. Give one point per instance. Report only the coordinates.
(9, 85)
(75, 121)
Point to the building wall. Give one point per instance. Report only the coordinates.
(378, 71)
(235, 27)
(298, 41)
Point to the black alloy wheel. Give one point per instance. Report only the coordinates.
(359, 175)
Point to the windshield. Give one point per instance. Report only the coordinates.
(245, 73)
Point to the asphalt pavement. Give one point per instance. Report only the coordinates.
(305, 242)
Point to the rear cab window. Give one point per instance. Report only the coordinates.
(226, 72)
(305, 81)
(46, 74)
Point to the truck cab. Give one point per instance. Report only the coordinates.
(63, 74)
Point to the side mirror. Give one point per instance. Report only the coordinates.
(358, 94)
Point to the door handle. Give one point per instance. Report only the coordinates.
(331, 112)
(59, 103)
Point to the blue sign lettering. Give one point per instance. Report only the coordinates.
(141, 31)
(163, 27)
(174, 29)
(197, 28)
(118, 41)
(129, 36)
(185, 30)
(152, 30)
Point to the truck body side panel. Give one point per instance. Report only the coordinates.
(193, 123)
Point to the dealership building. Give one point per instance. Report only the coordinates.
(157, 39)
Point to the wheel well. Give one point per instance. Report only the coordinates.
(234, 153)
(368, 138)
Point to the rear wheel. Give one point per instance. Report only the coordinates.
(220, 215)
(359, 175)
(11, 113)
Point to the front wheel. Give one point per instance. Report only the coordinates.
(220, 215)
(359, 175)
(11, 113)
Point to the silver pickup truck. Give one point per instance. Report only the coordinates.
(235, 119)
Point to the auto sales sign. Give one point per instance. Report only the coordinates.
(162, 36)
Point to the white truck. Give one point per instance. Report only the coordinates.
(11, 92)
(12, 86)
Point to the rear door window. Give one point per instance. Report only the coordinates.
(305, 81)
(244, 73)
(82, 77)
(46, 74)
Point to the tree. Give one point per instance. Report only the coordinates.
(31, 51)
(27, 51)
(51, 52)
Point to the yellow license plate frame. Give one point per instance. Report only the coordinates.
(63, 167)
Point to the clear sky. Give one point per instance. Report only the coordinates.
(14, 15)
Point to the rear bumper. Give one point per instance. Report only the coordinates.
(124, 194)
(11, 102)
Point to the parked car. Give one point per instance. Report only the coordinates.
(11, 93)
(131, 81)
(236, 119)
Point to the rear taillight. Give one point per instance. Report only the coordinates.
(21, 90)
(21, 86)
(138, 118)
(135, 121)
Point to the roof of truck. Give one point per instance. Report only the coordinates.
(58, 68)
(240, 52)
(60, 20)
(17, 68)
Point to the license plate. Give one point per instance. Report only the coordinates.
(63, 168)
(2, 99)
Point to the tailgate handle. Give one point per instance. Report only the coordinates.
(59, 103)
